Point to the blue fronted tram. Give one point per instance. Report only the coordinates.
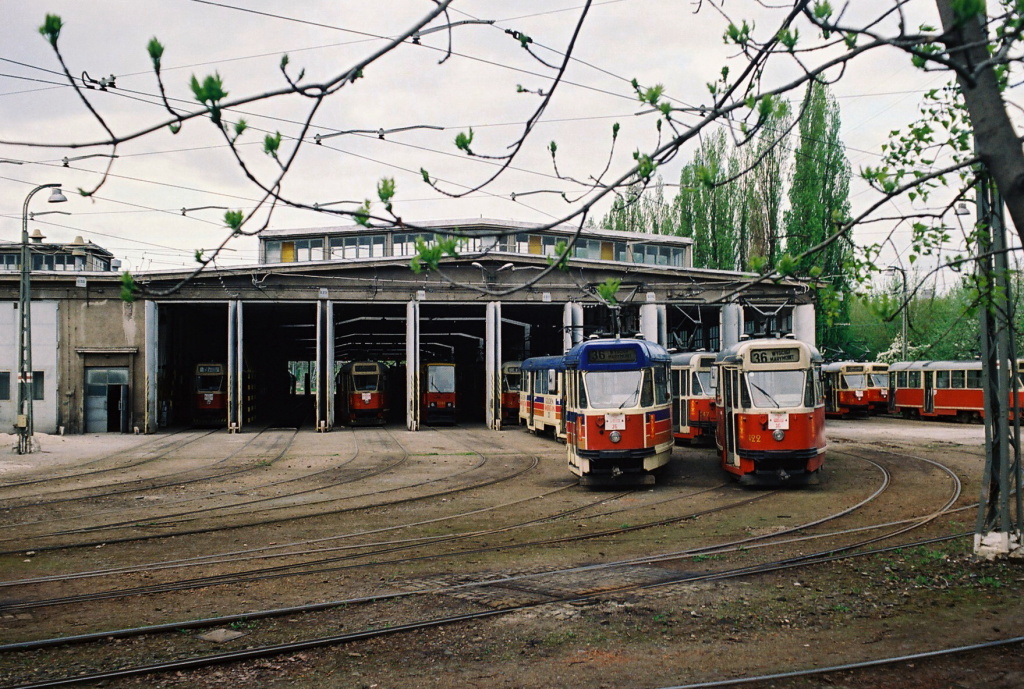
(618, 415)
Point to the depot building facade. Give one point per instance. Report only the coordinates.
(320, 297)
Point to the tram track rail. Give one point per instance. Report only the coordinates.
(150, 484)
(317, 568)
(251, 653)
(289, 570)
(828, 554)
(37, 546)
(164, 446)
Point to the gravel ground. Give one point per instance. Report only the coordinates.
(900, 602)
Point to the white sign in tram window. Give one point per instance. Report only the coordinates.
(615, 422)
(778, 420)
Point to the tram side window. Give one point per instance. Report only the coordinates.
(581, 390)
(810, 389)
(540, 382)
(552, 382)
(647, 389)
(974, 378)
(942, 379)
(913, 379)
(697, 386)
(660, 385)
(957, 379)
(741, 381)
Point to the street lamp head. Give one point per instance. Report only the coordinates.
(56, 196)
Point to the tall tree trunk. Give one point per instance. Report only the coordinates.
(996, 141)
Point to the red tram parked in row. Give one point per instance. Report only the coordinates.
(771, 411)
(942, 389)
(210, 395)
(855, 388)
(362, 393)
(693, 396)
(438, 404)
(511, 389)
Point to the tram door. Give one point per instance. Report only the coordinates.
(107, 402)
(681, 379)
(730, 381)
(531, 397)
(929, 391)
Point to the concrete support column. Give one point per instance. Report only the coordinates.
(730, 324)
(412, 365)
(803, 324)
(572, 325)
(324, 365)
(151, 357)
(236, 369)
(492, 365)
(654, 323)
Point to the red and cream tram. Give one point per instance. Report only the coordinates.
(847, 386)
(438, 401)
(362, 393)
(771, 411)
(948, 389)
(209, 395)
(618, 410)
(511, 385)
(693, 396)
(542, 400)
(878, 387)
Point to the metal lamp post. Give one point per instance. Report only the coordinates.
(23, 423)
(906, 305)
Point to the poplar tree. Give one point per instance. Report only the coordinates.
(818, 205)
(705, 205)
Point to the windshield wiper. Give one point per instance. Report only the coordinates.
(765, 393)
(636, 393)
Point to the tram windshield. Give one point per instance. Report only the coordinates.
(776, 389)
(702, 384)
(879, 380)
(441, 379)
(619, 389)
(209, 383)
(855, 381)
(365, 382)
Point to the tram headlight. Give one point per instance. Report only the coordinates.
(779, 434)
(615, 436)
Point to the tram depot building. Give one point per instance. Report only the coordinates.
(320, 297)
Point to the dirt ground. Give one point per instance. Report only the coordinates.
(894, 603)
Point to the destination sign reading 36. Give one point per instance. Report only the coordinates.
(775, 356)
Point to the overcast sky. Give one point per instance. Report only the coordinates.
(137, 214)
